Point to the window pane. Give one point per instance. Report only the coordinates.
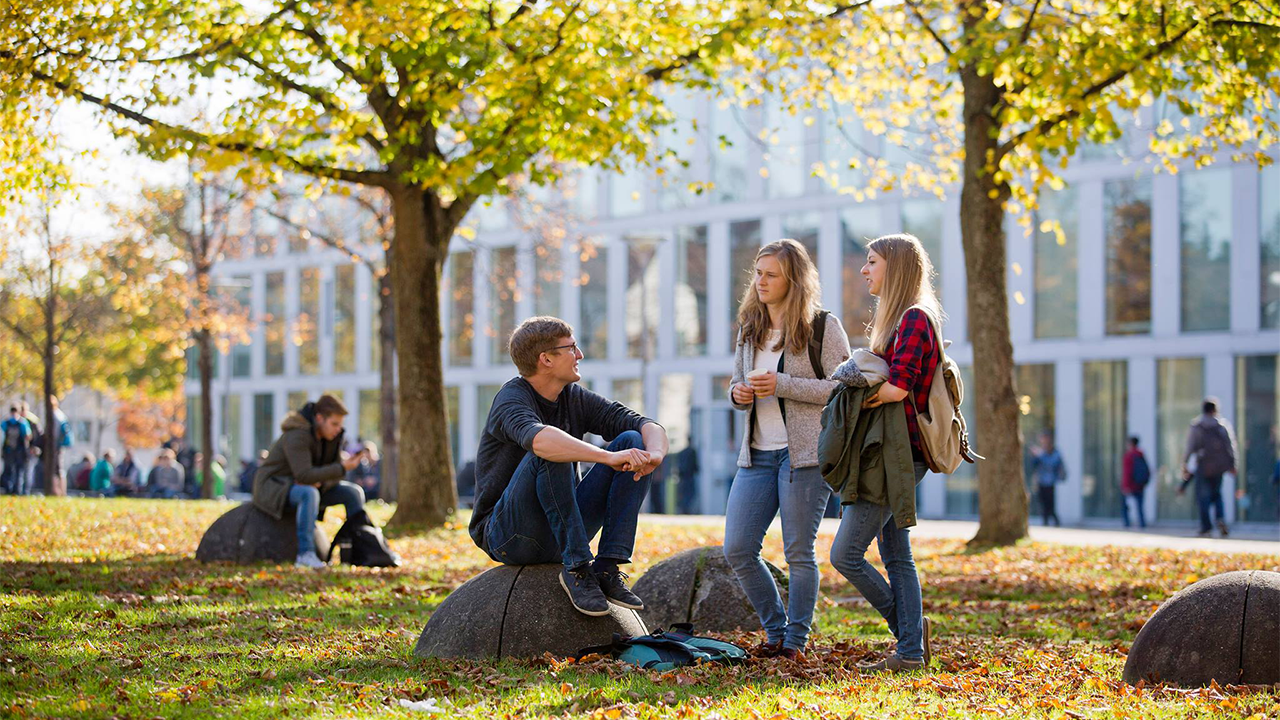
(923, 218)
(627, 190)
(484, 402)
(344, 319)
(306, 333)
(593, 301)
(548, 262)
(231, 440)
(1055, 266)
(803, 228)
(370, 416)
(840, 136)
(1179, 392)
(241, 290)
(1269, 225)
(451, 404)
(462, 319)
(1128, 218)
(858, 226)
(676, 171)
(273, 324)
(630, 392)
(744, 243)
(672, 493)
(730, 151)
(1105, 426)
(375, 316)
(1257, 419)
(195, 428)
(264, 422)
(784, 151)
(296, 399)
(1206, 249)
(583, 193)
(1036, 407)
(504, 283)
(691, 290)
(643, 305)
(962, 485)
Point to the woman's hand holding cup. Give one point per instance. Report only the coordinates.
(763, 382)
(743, 394)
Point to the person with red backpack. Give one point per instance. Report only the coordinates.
(1212, 444)
(1135, 473)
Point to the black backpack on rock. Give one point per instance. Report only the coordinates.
(360, 542)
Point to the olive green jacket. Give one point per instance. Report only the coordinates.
(296, 456)
(865, 454)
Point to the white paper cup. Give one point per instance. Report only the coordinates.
(757, 373)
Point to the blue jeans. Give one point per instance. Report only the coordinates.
(14, 477)
(1137, 502)
(1209, 496)
(543, 517)
(898, 600)
(309, 501)
(759, 493)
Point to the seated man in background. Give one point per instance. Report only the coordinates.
(530, 505)
(304, 470)
(167, 478)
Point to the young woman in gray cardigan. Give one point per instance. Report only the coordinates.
(775, 382)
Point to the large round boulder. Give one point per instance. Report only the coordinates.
(1224, 628)
(518, 611)
(698, 586)
(245, 534)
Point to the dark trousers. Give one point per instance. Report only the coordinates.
(14, 477)
(1048, 506)
(542, 517)
(1209, 495)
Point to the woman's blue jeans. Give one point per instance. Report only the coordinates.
(308, 500)
(759, 493)
(898, 600)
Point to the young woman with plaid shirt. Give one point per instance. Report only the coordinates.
(900, 276)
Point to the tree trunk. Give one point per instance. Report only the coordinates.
(1002, 497)
(390, 488)
(426, 491)
(53, 481)
(204, 343)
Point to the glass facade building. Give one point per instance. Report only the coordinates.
(1161, 289)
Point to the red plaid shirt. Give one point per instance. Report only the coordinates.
(913, 358)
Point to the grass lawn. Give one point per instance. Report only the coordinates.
(105, 613)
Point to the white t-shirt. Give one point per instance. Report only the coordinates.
(770, 432)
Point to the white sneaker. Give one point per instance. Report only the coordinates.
(309, 559)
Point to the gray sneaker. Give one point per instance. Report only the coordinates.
(309, 559)
(893, 663)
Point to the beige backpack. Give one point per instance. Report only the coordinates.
(943, 432)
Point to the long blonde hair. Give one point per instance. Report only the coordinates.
(908, 280)
(802, 303)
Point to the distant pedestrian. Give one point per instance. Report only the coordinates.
(1048, 469)
(1211, 442)
(100, 476)
(249, 466)
(15, 434)
(368, 474)
(127, 478)
(34, 450)
(1135, 475)
(219, 476)
(688, 468)
(79, 472)
(167, 478)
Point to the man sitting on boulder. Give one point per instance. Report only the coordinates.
(530, 505)
(304, 469)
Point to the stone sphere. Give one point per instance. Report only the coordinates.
(245, 534)
(518, 611)
(1224, 628)
(698, 586)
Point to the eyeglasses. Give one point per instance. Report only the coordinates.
(565, 347)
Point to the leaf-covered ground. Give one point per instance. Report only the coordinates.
(104, 613)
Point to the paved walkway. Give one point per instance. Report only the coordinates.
(1244, 539)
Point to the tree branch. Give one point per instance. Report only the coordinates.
(286, 161)
(1049, 123)
(915, 10)
(1026, 29)
(335, 243)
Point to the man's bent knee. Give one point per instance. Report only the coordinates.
(627, 440)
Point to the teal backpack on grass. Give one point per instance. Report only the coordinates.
(667, 650)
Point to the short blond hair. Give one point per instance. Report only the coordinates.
(534, 337)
